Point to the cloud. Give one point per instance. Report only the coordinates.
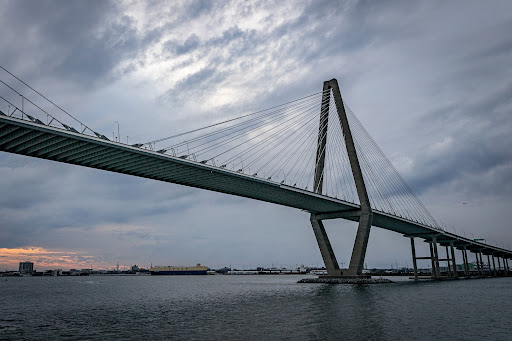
(189, 45)
(44, 259)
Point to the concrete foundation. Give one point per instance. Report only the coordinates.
(346, 280)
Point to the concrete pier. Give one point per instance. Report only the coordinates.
(454, 262)
(413, 250)
(436, 258)
(346, 280)
(331, 264)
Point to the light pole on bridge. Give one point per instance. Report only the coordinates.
(118, 136)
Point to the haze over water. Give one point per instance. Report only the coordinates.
(251, 307)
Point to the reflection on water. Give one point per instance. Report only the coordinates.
(251, 307)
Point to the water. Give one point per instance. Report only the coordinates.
(251, 307)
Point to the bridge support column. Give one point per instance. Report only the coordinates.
(478, 265)
(482, 263)
(359, 251)
(489, 265)
(331, 264)
(414, 264)
(499, 266)
(433, 258)
(431, 248)
(463, 263)
(454, 262)
(465, 260)
(494, 265)
(448, 262)
(508, 269)
(436, 257)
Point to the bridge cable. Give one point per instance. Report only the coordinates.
(226, 121)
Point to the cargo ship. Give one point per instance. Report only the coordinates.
(179, 270)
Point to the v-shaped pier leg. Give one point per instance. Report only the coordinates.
(331, 264)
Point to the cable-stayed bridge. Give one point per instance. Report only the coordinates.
(311, 154)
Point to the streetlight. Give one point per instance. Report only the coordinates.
(118, 136)
(22, 101)
(284, 175)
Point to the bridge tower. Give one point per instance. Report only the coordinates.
(364, 214)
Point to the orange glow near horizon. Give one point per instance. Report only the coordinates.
(45, 259)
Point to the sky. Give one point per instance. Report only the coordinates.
(430, 81)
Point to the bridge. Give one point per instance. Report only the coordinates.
(311, 154)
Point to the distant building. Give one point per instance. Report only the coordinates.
(26, 267)
(74, 272)
(57, 272)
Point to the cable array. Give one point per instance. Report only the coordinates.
(278, 144)
(387, 190)
(29, 100)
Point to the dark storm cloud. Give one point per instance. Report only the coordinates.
(48, 32)
(466, 157)
(78, 41)
(479, 146)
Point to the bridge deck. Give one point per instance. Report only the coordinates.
(45, 142)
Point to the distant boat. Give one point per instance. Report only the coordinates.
(179, 270)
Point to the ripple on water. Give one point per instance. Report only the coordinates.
(250, 307)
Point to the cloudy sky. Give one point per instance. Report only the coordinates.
(430, 80)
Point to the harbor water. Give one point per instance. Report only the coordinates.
(251, 308)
